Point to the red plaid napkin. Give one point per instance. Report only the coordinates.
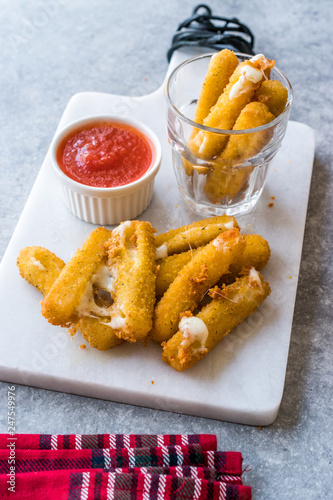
(124, 467)
(95, 441)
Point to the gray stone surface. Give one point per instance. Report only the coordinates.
(52, 49)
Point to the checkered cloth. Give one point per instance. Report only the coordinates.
(124, 467)
(95, 441)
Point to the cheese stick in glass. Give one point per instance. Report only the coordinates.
(240, 90)
(231, 305)
(226, 179)
(274, 95)
(200, 274)
(220, 68)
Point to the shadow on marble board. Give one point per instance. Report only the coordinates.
(309, 297)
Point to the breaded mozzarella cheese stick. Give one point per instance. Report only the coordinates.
(231, 305)
(274, 95)
(256, 254)
(193, 235)
(40, 267)
(243, 83)
(244, 146)
(67, 299)
(200, 274)
(169, 267)
(98, 333)
(227, 180)
(220, 68)
(131, 261)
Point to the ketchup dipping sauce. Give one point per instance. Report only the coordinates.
(106, 166)
(105, 154)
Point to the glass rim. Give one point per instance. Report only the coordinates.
(220, 131)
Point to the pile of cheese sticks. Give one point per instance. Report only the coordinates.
(185, 289)
(234, 96)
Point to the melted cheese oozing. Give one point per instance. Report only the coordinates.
(88, 307)
(254, 275)
(161, 251)
(248, 74)
(257, 57)
(218, 243)
(104, 278)
(260, 57)
(193, 329)
(117, 322)
(229, 225)
(120, 230)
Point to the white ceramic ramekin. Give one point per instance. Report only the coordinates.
(107, 206)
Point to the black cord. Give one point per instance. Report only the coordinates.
(201, 30)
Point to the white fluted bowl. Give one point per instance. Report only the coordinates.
(107, 206)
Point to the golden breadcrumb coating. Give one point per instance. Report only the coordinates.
(274, 95)
(188, 288)
(194, 235)
(230, 306)
(61, 304)
(221, 67)
(41, 268)
(131, 259)
(224, 114)
(168, 268)
(256, 254)
(226, 179)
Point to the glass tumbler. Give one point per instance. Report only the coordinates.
(231, 180)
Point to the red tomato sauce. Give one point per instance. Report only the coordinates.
(105, 154)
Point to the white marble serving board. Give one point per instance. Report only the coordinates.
(242, 380)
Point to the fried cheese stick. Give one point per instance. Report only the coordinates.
(70, 297)
(193, 235)
(274, 95)
(244, 146)
(229, 180)
(97, 333)
(40, 267)
(242, 85)
(231, 305)
(200, 274)
(169, 267)
(131, 261)
(220, 68)
(256, 254)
